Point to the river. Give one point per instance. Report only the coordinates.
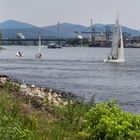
(79, 70)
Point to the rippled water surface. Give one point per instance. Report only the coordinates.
(78, 70)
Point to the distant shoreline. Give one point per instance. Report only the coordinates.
(82, 46)
(1, 48)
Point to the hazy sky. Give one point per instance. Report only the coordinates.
(48, 12)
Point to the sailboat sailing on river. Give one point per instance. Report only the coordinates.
(117, 49)
(39, 55)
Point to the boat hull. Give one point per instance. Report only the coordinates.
(113, 61)
(54, 47)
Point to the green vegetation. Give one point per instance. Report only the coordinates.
(0, 38)
(20, 120)
(107, 121)
(1, 41)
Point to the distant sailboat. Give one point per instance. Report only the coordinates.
(39, 55)
(117, 49)
(19, 54)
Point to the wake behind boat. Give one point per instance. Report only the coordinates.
(117, 49)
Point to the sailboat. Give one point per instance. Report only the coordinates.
(117, 48)
(19, 54)
(39, 55)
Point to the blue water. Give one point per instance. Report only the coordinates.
(78, 70)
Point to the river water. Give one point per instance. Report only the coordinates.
(80, 71)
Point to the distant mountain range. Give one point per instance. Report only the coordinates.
(11, 28)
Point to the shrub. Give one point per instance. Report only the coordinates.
(107, 121)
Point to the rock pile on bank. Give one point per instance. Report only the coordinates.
(40, 94)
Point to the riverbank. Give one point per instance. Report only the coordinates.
(2, 48)
(55, 97)
(35, 113)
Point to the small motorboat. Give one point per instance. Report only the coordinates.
(53, 45)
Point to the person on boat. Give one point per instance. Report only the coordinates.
(38, 55)
(113, 57)
(20, 54)
(108, 57)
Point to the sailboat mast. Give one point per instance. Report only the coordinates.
(58, 33)
(92, 31)
(121, 37)
(39, 45)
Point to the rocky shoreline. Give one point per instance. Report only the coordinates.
(38, 94)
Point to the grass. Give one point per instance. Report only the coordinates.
(21, 120)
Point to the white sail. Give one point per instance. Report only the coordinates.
(115, 43)
(121, 48)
